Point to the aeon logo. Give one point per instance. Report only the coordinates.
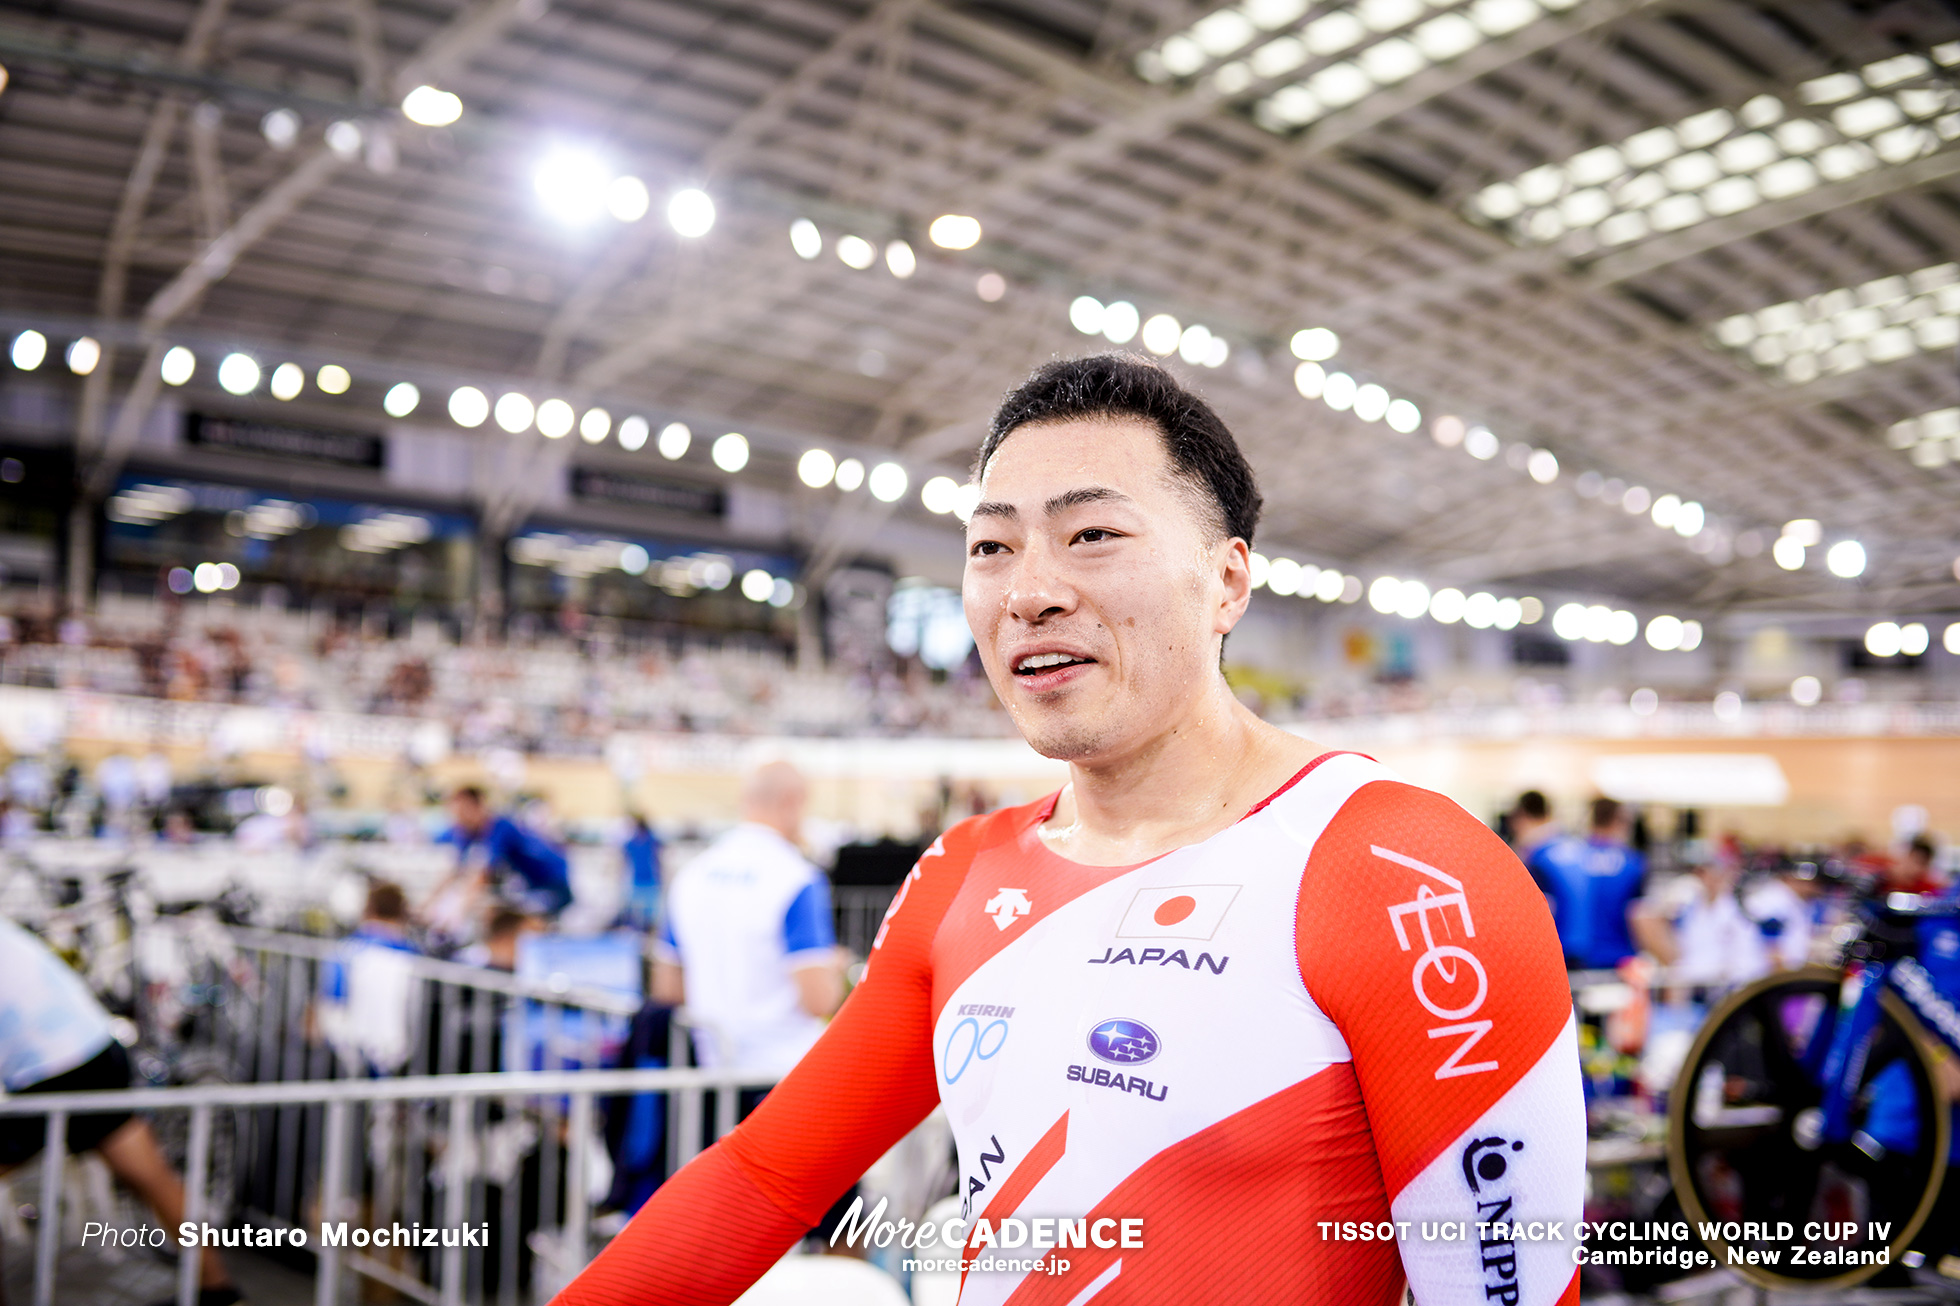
(1124, 1042)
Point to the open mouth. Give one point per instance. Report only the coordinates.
(1040, 663)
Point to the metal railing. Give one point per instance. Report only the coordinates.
(340, 1178)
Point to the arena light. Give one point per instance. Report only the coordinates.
(1315, 345)
(146, 505)
(1338, 392)
(674, 439)
(1448, 606)
(1623, 628)
(627, 198)
(1689, 520)
(1331, 587)
(238, 374)
(1569, 622)
(1643, 702)
(1542, 466)
(954, 231)
(633, 433)
(1411, 599)
(1787, 553)
(856, 252)
(691, 213)
(429, 107)
(1931, 439)
(816, 468)
(280, 127)
(1510, 613)
(1883, 639)
(401, 399)
(1283, 576)
(1716, 163)
(1403, 416)
(556, 419)
(1371, 403)
(939, 494)
(1914, 639)
(385, 532)
(1161, 334)
(1385, 594)
(966, 501)
(333, 379)
(178, 366)
(1481, 443)
(595, 426)
(344, 138)
(571, 184)
(1258, 569)
(757, 585)
(1845, 559)
(850, 475)
(1805, 691)
(1690, 636)
(1480, 610)
(730, 452)
(83, 355)
(514, 411)
(991, 287)
(1310, 379)
(468, 406)
(1840, 331)
(1951, 639)
(887, 482)
(1664, 633)
(1085, 314)
(28, 350)
(805, 239)
(900, 260)
(1121, 322)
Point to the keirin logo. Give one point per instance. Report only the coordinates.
(969, 1041)
(1444, 962)
(1007, 906)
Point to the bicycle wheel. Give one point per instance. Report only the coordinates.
(1742, 1145)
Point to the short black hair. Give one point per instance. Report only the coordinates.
(1201, 449)
(1605, 811)
(473, 793)
(1531, 803)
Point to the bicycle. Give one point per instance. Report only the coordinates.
(1809, 1106)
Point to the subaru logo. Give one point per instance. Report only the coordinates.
(1124, 1042)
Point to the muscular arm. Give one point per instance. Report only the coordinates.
(711, 1230)
(1424, 940)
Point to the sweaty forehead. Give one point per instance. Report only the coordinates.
(1119, 452)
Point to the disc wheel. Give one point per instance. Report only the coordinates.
(1743, 1122)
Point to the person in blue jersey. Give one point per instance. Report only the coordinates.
(641, 853)
(1592, 881)
(748, 942)
(494, 851)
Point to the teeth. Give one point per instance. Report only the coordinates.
(1044, 660)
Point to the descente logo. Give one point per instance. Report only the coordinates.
(873, 1229)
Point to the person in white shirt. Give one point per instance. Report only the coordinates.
(1709, 931)
(56, 1038)
(747, 943)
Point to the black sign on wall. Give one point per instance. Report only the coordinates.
(673, 496)
(278, 440)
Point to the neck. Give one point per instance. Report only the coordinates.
(1177, 788)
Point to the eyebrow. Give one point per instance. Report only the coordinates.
(1061, 503)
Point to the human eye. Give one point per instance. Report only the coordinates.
(985, 548)
(1096, 535)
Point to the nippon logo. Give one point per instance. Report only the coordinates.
(1007, 906)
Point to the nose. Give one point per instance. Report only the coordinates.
(1038, 588)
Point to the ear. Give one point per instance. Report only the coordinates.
(1233, 560)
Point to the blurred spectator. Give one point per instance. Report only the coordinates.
(366, 987)
(498, 949)
(1708, 929)
(55, 1038)
(1591, 882)
(496, 853)
(1913, 871)
(748, 941)
(1530, 823)
(641, 854)
(178, 827)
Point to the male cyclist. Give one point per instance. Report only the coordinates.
(1250, 994)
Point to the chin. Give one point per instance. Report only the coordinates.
(1062, 741)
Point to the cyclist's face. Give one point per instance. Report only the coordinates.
(1094, 588)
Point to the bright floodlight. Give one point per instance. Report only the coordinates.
(816, 468)
(431, 108)
(691, 213)
(900, 259)
(1665, 510)
(1788, 552)
(1085, 314)
(206, 577)
(856, 252)
(238, 374)
(29, 348)
(333, 379)
(939, 494)
(805, 239)
(1448, 606)
(627, 199)
(555, 419)
(1384, 594)
(757, 585)
(1283, 576)
(633, 433)
(280, 128)
(1371, 403)
(595, 425)
(1412, 599)
(1846, 559)
(401, 399)
(178, 365)
(1480, 610)
(344, 138)
(1542, 466)
(1315, 344)
(1331, 586)
(1195, 343)
(1690, 519)
(1162, 333)
(730, 452)
(674, 439)
(1806, 690)
(850, 475)
(288, 379)
(1338, 391)
(782, 593)
(83, 355)
(1481, 443)
(1952, 638)
(514, 411)
(888, 482)
(1310, 379)
(1623, 628)
(571, 185)
(1259, 568)
(1404, 416)
(1883, 640)
(634, 560)
(1914, 639)
(954, 231)
(1664, 633)
(1120, 322)
(968, 498)
(468, 406)
(1569, 622)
